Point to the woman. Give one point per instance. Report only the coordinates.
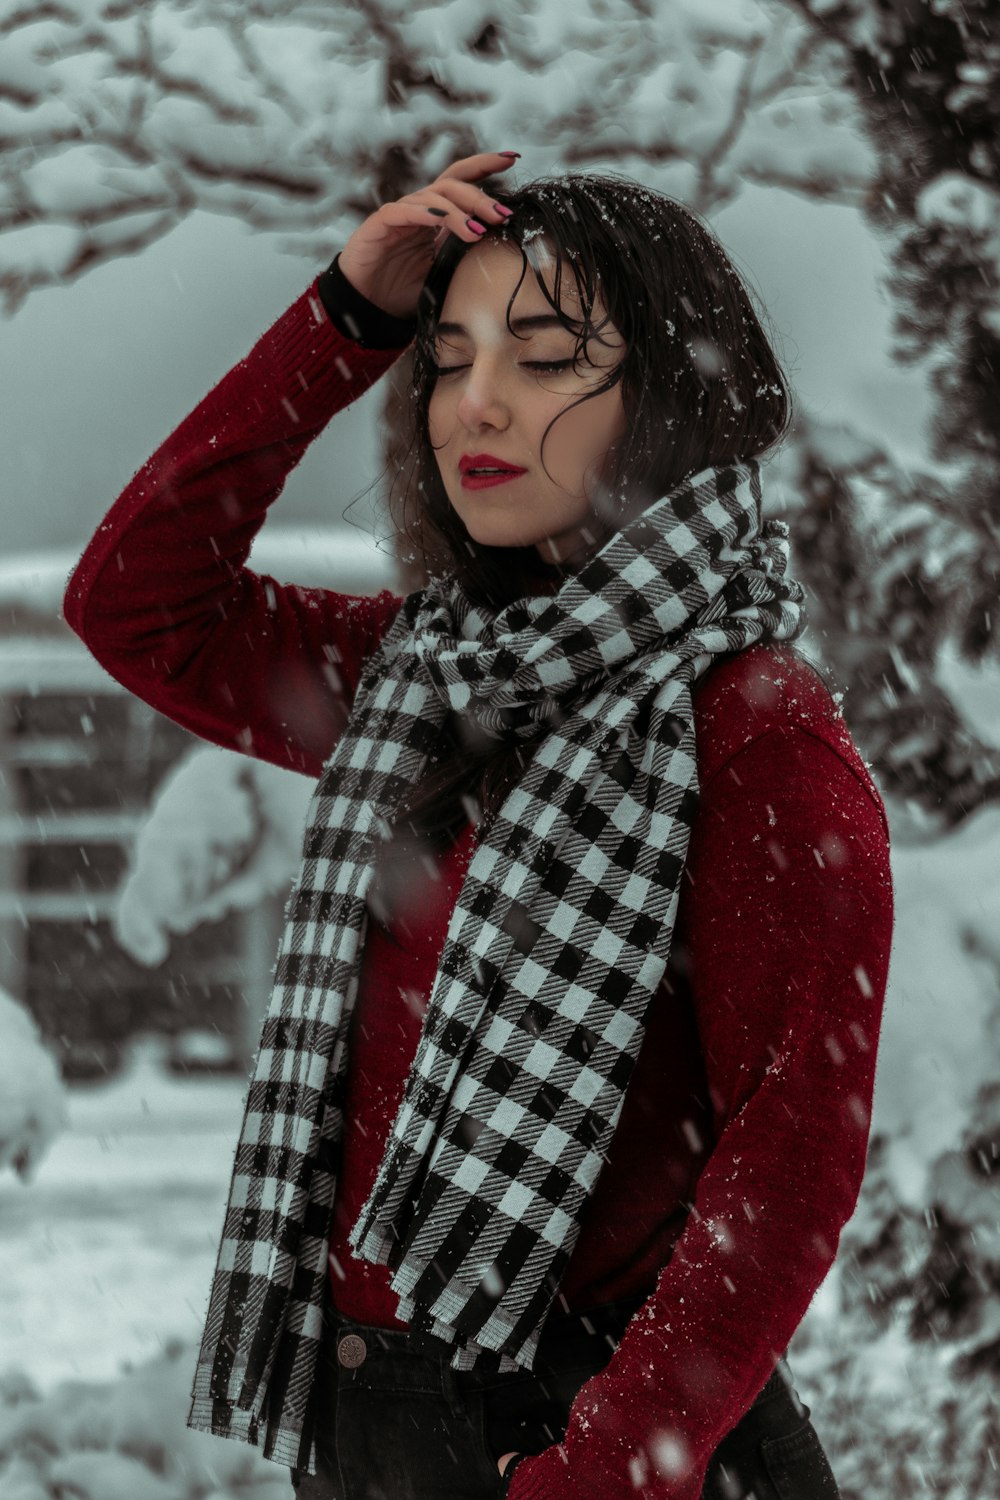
(563, 1094)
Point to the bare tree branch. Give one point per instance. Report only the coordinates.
(704, 195)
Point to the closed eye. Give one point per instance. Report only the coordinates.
(528, 364)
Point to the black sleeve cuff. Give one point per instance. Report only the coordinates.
(357, 318)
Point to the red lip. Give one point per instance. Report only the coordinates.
(486, 461)
(485, 481)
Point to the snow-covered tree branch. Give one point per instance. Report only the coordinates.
(118, 119)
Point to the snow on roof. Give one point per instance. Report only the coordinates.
(335, 557)
(33, 664)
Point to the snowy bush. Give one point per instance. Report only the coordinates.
(124, 1440)
(895, 1421)
(223, 832)
(32, 1101)
(901, 1374)
(899, 1360)
(939, 1040)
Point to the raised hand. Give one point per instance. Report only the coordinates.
(387, 258)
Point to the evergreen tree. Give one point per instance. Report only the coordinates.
(893, 567)
(914, 1353)
(927, 80)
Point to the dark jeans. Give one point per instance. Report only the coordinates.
(394, 1425)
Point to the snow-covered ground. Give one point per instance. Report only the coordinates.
(108, 1254)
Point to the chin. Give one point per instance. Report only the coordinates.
(500, 535)
(504, 541)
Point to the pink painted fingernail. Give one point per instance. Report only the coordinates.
(515, 154)
(475, 224)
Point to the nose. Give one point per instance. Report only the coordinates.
(484, 400)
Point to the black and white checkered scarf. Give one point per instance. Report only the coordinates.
(555, 949)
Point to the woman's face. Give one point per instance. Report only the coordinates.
(497, 402)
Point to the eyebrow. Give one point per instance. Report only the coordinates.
(537, 320)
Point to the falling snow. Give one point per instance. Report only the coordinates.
(111, 1192)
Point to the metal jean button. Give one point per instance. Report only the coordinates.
(352, 1350)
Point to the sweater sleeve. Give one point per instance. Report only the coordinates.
(162, 597)
(790, 932)
(356, 317)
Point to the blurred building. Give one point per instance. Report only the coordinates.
(80, 762)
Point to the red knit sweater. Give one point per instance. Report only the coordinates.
(741, 1146)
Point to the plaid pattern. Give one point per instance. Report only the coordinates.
(555, 949)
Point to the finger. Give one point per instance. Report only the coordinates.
(468, 199)
(481, 165)
(458, 204)
(413, 214)
(426, 216)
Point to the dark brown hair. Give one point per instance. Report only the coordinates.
(700, 386)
